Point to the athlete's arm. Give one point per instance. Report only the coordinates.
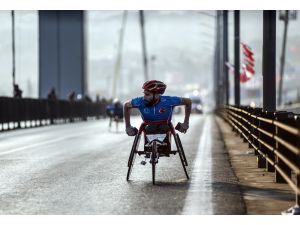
(127, 108)
(188, 105)
(131, 131)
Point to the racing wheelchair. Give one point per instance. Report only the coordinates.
(157, 143)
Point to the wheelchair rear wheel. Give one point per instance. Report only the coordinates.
(182, 151)
(181, 154)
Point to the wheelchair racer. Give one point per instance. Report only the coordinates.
(155, 107)
(115, 112)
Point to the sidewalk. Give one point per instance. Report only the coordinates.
(261, 194)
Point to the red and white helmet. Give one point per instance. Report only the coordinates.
(155, 86)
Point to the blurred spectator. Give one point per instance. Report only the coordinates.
(87, 98)
(115, 112)
(97, 98)
(71, 96)
(103, 101)
(17, 91)
(52, 94)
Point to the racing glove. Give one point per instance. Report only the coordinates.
(131, 131)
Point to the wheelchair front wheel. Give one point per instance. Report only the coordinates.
(153, 160)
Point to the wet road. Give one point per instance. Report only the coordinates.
(81, 169)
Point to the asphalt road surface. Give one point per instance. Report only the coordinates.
(81, 168)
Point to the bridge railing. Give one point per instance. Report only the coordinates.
(275, 137)
(17, 113)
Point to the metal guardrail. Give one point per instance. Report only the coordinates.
(275, 137)
(38, 112)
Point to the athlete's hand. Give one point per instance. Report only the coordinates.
(131, 131)
(182, 127)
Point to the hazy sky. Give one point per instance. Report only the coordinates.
(180, 43)
(175, 40)
(26, 51)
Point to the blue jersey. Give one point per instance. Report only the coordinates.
(159, 112)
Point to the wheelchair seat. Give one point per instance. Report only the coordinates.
(163, 148)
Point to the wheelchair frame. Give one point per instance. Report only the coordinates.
(155, 153)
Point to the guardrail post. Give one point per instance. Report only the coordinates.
(256, 112)
(261, 161)
(270, 141)
(1, 113)
(5, 112)
(298, 185)
(227, 110)
(241, 122)
(18, 108)
(72, 112)
(245, 124)
(248, 125)
(297, 120)
(281, 117)
(250, 119)
(85, 110)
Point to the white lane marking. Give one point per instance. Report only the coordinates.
(43, 143)
(199, 197)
